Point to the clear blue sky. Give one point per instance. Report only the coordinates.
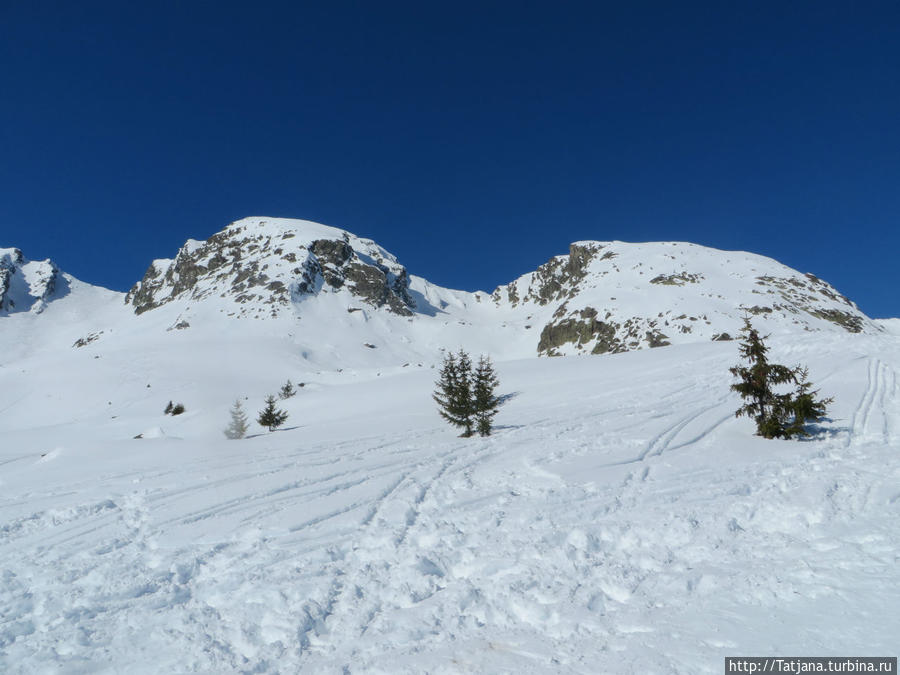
(473, 140)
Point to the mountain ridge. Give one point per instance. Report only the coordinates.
(600, 297)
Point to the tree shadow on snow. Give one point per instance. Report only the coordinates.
(819, 432)
(503, 427)
(266, 433)
(503, 398)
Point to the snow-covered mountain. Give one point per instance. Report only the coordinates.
(335, 305)
(615, 297)
(335, 291)
(601, 297)
(27, 286)
(620, 520)
(265, 265)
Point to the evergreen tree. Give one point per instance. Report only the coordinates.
(174, 409)
(270, 416)
(238, 426)
(485, 402)
(454, 392)
(805, 407)
(287, 390)
(777, 415)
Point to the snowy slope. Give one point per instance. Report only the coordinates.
(621, 520)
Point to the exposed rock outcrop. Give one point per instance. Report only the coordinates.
(10, 259)
(265, 265)
(555, 280)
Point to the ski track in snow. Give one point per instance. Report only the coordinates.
(635, 530)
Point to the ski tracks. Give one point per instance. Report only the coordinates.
(688, 429)
(379, 567)
(873, 419)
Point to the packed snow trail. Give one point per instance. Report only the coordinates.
(620, 520)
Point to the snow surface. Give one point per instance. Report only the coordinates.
(620, 520)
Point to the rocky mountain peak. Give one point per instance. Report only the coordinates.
(616, 296)
(263, 265)
(27, 286)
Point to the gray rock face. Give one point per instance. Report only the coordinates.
(555, 280)
(586, 333)
(368, 279)
(10, 259)
(265, 266)
(581, 328)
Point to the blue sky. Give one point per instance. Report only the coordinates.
(472, 140)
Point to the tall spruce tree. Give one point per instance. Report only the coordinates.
(238, 426)
(486, 402)
(454, 392)
(270, 416)
(777, 415)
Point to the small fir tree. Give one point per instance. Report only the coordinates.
(454, 392)
(777, 415)
(168, 410)
(486, 402)
(805, 407)
(238, 426)
(287, 391)
(270, 416)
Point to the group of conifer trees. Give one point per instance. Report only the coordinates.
(466, 397)
(270, 416)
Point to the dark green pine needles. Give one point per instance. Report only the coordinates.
(466, 399)
(486, 402)
(270, 416)
(777, 415)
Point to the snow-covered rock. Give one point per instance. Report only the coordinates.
(27, 286)
(265, 264)
(615, 297)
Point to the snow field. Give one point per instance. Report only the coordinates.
(620, 520)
